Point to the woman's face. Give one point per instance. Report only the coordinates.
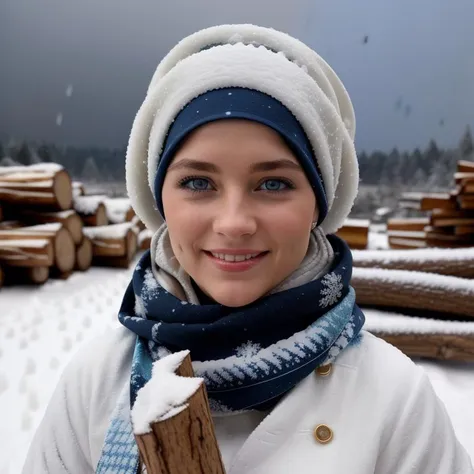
(239, 210)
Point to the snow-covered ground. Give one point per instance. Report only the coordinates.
(41, 329)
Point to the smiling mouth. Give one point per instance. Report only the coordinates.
(235, 258)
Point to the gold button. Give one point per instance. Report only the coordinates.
(323, 434)
(324, 370)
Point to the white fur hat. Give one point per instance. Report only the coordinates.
(256, 58)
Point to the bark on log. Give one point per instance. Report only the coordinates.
(450, 262)
(69, 219)
(27, 253)
(84, 255)
(92, 210)
(185, 443)
(61, 240)
(26, 275)
(413, 290)
(47, 190)
(433, 346)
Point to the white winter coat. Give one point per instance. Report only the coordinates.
(380, 407)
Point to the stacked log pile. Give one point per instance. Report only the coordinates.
(419, 300)
(50, 228)
(449, 217)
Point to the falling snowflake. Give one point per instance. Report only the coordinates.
(332, 290)
(248, 349)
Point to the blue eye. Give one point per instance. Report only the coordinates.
(275, 185)
(196, 184)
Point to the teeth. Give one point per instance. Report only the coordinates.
(234, 258)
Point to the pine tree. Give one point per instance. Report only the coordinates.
(466, 146)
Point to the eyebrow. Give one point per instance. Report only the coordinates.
(212, 168)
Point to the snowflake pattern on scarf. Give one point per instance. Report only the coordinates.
(332, 290)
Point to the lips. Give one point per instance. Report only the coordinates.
(235, 258)
(237, 261)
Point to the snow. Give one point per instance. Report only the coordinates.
(31, 170)
(40, 336)
(31, 244)
(154, 404)
(115, 231)
(88, 204)
(117, 209)
(419, 255)
(418, 279)
(30, 184)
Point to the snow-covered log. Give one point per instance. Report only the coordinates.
(423, 337)
(451, 262)
(70, 219)
(119, 210)
(173, 426)
(113, 245)
(144, 239)
(355, 232)
(60, 238)
(465, 166)
(92, 210)
(427, 202)
(26, 253)
(414, 290)
(37, 186)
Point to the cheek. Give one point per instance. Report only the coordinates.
(290, 222)
(185, 229)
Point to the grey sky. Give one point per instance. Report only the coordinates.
(419, 55)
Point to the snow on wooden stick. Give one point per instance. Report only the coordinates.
(43, 188)
(453, 262)
(60, 238)
(92, 210)
(414, 290)
(172, 421)
(26, 253)
(70, 219)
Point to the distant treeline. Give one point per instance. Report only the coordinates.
(428, 169)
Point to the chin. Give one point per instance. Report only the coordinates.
(234, 296)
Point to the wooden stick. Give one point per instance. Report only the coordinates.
(408, 224)
(84, 255)
(45, 190)
(185, 443)
(63, 245)
(413, 290)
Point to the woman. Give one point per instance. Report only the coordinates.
(241, 160)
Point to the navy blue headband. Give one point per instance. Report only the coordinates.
(241, 103)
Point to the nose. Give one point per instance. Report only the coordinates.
(235, 218)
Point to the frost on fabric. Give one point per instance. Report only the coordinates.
(115, 231)
(88, 204)
(140, 309)
(394, 323)
(150, 286)
(165, 395)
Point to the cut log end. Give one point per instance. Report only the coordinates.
(84, 255)
(64, 251)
